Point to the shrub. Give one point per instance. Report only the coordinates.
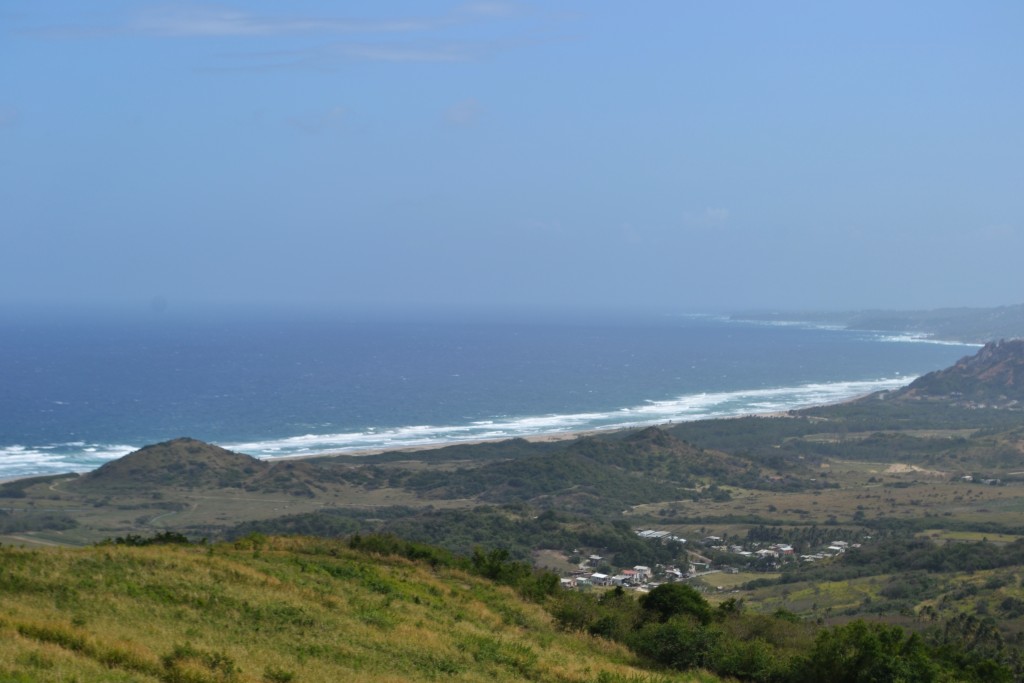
(273, 675)
(672, 599)
(679, 643)
(859, 652)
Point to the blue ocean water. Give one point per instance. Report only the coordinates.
(79, 391)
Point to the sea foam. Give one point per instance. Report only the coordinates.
(914, 338)
(77, 456)
(684, 408)
(20, 460)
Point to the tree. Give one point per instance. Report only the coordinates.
(679, 643)
(867, 653)
(672, 599)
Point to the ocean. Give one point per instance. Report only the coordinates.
(77, 391)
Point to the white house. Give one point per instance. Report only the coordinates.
(621, 580)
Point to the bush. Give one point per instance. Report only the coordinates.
(671, 599)
(861, 653)
(748, 660)
(161, 538)
(273, 675)
(679, 643)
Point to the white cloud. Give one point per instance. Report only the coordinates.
(329, 57)
(212, 21)
(349, 39)
(405, 53)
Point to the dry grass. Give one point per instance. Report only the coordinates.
(289, 609)
(866, 491)
(973, 536)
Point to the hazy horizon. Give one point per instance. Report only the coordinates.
(507, 156)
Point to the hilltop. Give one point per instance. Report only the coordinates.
(183, 462)
(994, 376)
(190, 464)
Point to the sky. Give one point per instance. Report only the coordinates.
(674, 156)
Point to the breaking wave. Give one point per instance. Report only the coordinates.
(75, 456)
(684, 408)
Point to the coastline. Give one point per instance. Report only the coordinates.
(676, 379)
(953, 327)
(533, 438)
(553, 437)
(549, 437)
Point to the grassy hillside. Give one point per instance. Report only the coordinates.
(278, 610)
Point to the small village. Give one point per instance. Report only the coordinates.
(728, 559)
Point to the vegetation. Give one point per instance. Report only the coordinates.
(516, 529)
(36, 521)
(674, 627)
(382, 608)
(267, 609)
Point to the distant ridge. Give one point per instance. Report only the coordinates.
(992, 377)
(962, 324)
(976, 325)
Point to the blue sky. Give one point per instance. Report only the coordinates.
(672, 156)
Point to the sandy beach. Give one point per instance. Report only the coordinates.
(537, 438)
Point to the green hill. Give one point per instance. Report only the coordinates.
(993, 376)
(184, 462)
(187, 463)
(278, 610)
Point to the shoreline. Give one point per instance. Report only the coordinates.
(772, 401)
(553, 437)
